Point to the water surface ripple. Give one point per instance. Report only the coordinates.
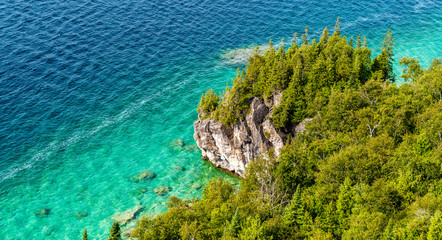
(92, 92)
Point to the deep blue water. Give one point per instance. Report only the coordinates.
(92, 92)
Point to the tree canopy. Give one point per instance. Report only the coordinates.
(368, 165)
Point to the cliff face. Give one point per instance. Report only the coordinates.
(232, 148)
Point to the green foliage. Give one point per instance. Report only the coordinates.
(301, 74)
(344, 204)
(413, 70)
(382, 65)
(234, 226)
(85, 234)
(368, 165)
(435, 229)
(115, 232)
(208, 103)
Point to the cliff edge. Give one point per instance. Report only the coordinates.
(233, 147)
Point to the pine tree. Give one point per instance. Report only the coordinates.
(388, 44)
(364, 43)
(85, 234)
(337, 28)
(235, 224)
(324, 37)
(359, 42)
(304, 37)
(294, 212)
(295, 40)
(383, 64)
(115, 232)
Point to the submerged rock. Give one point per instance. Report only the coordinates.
(143, 176)
(196, 185)
(161, 191)
(179, 168)
(125, 217)
(241, 56)
(138, 193)
(79, 215)
(177, 144)
(130, 231)
(42, 212)
(191, 148)
(47, 230)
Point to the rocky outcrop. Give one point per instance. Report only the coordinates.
(232, 148)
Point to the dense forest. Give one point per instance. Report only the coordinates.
(368, 166)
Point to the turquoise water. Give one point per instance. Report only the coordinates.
(93, 92)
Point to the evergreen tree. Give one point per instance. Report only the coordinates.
(382, 66)
(115, 232)
(337, 28)
(208, 103)
(304, 37)
(85, 234)
(295, 39)
(325, 36)
(364, 43)
(351, 42)
(388, 44)
(294, 212)
(235, 224)
(359, 42)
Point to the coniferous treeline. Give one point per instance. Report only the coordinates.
(303, 73)
(368, 166)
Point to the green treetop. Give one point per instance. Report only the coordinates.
(115, 232)
(85, 234)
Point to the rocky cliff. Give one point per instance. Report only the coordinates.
(232, 148)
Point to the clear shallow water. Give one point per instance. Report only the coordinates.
(93, 92)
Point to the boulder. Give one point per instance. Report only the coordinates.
(125, 217)
(143, 176)
(161, 191)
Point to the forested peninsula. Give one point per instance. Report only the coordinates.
(367, 164)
